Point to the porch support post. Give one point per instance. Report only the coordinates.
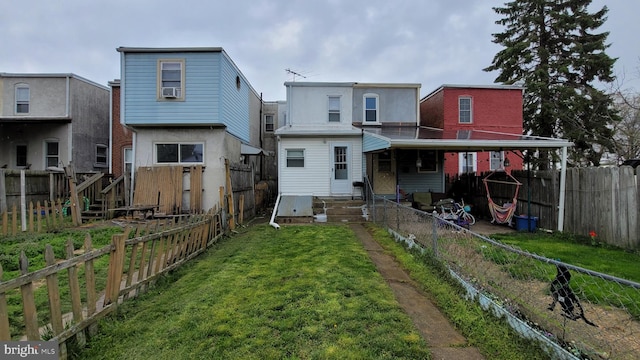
(563, 179)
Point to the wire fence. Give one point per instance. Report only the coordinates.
(577, 312)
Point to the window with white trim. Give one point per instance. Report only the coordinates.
(468, 162)
(269, 124)
(52, 151)
(371, 104)
(334, 108)
(128, 160)
(102, 155)
(179, 153)
(295, 157)
(23, 96)
(171, 79)
(496, 160)
(465, 113)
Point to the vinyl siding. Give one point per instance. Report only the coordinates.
(235, 104)
(201, 90)
(315, 177)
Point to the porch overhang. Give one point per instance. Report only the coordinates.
(383, 138)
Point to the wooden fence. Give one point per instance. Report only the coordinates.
(133, 262)
(603, 200)
(39, 218)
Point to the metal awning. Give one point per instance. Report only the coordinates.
(420, 137)
(453, 140)
(251, 150)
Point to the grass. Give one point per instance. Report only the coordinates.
(33, 246)
(582, 252)
(301, 292)
(494, 338)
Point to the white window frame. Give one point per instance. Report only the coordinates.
(20, 101)
(161, 81)
(48, 156)
(496, 160)
(295, 158)
(269, 123)
(180, 157)
(464, 113)
(461, 162)
(333, 110)
(100, 148)
(127, 159)
(365, 109)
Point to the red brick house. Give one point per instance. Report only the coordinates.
(121, 137)
(459, 108)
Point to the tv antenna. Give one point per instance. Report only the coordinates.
(289, 71)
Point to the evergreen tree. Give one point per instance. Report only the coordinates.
(551, 49)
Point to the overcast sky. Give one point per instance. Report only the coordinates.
(431, 42)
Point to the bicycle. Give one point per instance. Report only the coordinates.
(456, 212)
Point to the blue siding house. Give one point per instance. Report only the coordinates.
(188, 108)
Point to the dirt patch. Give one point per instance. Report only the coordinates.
(444, 341)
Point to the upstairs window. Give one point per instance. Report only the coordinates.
(171, 79)
(22, 99)
(467, 163)
(370, 109)
(334, 108)
(464, 110)
(180, 153)
(268, 123)
(52, 153)
(295, 157)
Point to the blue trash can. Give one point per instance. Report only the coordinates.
(522, 223)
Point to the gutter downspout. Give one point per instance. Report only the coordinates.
(111, 129)
(67, 109)
(563, 180)
(275, 211)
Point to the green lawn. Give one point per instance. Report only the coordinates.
(301, 292)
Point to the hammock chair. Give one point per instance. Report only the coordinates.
(502, 214)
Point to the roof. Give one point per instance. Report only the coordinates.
(454, 140)
(351, 84)
(319, 130)
(51, 75)
(168, 49)
(467, 86)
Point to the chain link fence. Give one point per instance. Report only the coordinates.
(581, 314)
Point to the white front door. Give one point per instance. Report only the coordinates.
(341, 169)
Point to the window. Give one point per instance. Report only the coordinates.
(22, 99)
(128, 160)
(427, 161)
(295, 157)
(467, 162)
(179, 153)
(384, 161)
(464, 109)
(496, 159)
(102, 155)
(334, 109)
(21, 155)
(268, 123)
(370, 108)
(171, 79)
(52, 153)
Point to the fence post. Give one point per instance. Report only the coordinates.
(28, 302)
(435, 235)
(5, 333)
(116, 261)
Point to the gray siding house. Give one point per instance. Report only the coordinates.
(50, 120)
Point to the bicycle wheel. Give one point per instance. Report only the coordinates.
(468, 218)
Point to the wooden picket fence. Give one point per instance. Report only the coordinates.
(136, 258)
(39, 218)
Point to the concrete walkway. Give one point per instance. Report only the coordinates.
(444, 341)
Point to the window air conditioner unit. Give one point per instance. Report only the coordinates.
(170, 92)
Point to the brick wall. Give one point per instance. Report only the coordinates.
(121, 136)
